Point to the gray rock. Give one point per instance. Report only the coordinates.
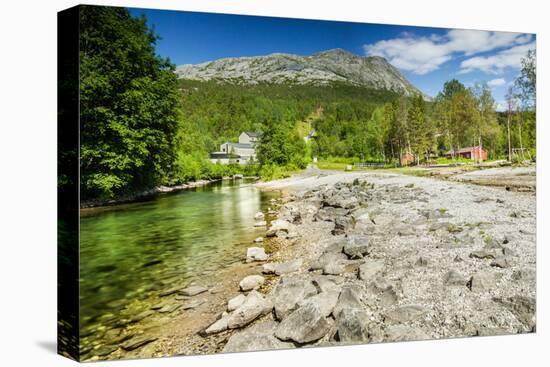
(235, 302)
(251, 282)
(218, 326)
(482, 281)
(254, 306)
(289, 293)
(384, 291)
(334, 268)
(259, 240)
(370, 269)
(305, 325)
(288, 267)
(255, 338)
(522, 307)
(328, 258)
(193, 290)
(352, 325)
(269, 268)
(278, 225)
(261, 223)
(356, 246)
(325, 301)
(341, 225)
(349, 298)
(405, 313)
(398, 333)
(169, 308)
(328, 214)
(483, 254)
(453, 278)
(256, 254)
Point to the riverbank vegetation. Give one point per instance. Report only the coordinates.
(142, 127)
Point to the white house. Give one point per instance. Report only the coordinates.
(243, 152)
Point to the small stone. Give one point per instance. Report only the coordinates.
(251, 282)
(261, 223)
(259, 216)
(422, 261)
(256, 254)
(259, 240)
(193, 290)
(453, 278)
(482, 254)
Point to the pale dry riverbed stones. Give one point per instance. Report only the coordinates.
(402, 259)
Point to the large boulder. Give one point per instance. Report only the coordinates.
(251, 282)
(325, 301)
(352, 325)
(305, 325)
(256, 254)
(356, 246)
(255, 338)
(254, 306)
(218, 326)
(289, 293)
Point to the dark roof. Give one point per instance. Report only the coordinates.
(222, 155)
(239, 145)
(252, 134)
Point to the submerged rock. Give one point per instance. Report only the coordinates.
(193, 290)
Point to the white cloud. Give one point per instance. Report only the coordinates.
(422, 55)
(495, 64)
(498, 82)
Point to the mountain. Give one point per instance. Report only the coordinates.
(319, 69)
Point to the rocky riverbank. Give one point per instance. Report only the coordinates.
(381, 257)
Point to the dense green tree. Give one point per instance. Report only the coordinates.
(129, 104)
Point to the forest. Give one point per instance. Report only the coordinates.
(142, 127)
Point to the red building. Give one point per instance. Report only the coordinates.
(407, 159)
(476, 153)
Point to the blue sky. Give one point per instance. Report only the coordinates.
(426, 56)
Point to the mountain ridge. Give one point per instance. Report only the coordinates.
(321, 68)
